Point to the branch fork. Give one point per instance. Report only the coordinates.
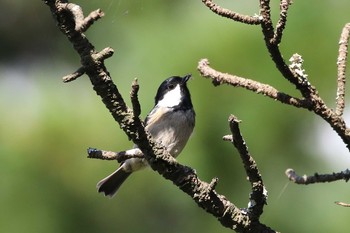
(73, 24)
(294, 73)
(184, 177)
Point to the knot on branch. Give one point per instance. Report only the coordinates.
(203, 194)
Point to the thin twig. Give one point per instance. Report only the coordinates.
(136, 107)
(258, 196)
(341, 62)
(317, 178)
(90, 19)
(103, 54)
(281, 24)
(252, 20)
(81, 23)
(266, 22)
(219, 78)
(73, 76)
(120, 156)
(94, 153)
(342, 204)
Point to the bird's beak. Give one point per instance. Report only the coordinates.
(186, 78)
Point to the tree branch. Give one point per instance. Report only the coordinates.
(317, 178)
(121, 156)
(73, 76)
(271, 40)
(258, 196)
(296, 75)
(281, 24)
(253, 20)
(342, 58)
(158, 158)
(134, 99)
(342, 204)
(219, 78)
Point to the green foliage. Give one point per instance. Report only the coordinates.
(48, 184)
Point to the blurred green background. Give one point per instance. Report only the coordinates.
(48, 184)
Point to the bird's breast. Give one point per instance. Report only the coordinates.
(171, 128)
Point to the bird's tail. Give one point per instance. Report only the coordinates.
(110, 185)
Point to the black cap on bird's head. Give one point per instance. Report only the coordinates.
(173, 92)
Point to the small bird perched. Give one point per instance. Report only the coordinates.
(170, 122)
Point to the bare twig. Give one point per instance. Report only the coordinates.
(134, 99)
(253, 20)
(342, 204)
(317, 178)
(219, 78)
(103, 54)
(73, 76)
(281, 24)
(258, 196)
(213, 184)
(81, 23)
(342, 58)
(121, 156)
(313, 103)
(90, 19)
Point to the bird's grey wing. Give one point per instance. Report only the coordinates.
(154, 116)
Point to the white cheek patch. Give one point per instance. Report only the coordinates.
(172, 98)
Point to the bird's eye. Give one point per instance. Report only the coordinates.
(171, 86)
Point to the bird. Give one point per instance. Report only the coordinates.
(170, 123)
